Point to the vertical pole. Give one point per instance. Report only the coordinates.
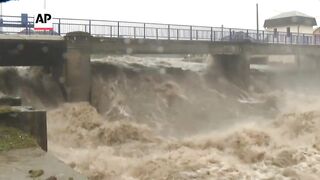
(110, 31)
(222, 32)
(59, 27)
(214, 36)
(118, 29)
(144, 30)
(157, 34)
(211, 30)
(257, 8)
(196, 34)
(177, 34)
(298, 34)
(134, 32)
(190, 33)
(230, 34)
(90, 26)
(168, 31)
(285, 39)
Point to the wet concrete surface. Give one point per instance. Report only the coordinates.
(16, 164)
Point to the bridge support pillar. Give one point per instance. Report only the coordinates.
(77, 67)
(235, 68)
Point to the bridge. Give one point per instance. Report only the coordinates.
(67, 49)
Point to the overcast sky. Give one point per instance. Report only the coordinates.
(230, 13)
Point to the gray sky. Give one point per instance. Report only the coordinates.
(230, 13)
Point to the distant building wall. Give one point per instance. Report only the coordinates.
(317, 31)
(294, 29)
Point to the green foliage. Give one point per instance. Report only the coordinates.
(11, 138)
(7, 109)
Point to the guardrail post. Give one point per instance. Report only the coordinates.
(177, 34)
(59, 26)
(263, 36)
(214, 36)
(196, 34)
(111, 31)
(273, 39)
(168, 31)
(144, 30)
(285, 39)
(230, 36)
(314, 39)
(222, 32)
(118, 29)
(157, 33)
(190, 33)
(90, 26)
(303, 39)
(134, 32)
(211, 34)
(247, 33)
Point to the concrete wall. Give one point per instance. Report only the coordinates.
(294, 29)
(32, 122)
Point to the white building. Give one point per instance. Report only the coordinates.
(293, 22)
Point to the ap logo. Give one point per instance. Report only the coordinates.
(43, 22)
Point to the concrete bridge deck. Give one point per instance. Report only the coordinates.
(46, 50)
(69, 56)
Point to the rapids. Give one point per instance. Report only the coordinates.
(159, 121)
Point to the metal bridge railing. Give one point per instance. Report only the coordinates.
(138, 30)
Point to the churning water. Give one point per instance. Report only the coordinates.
(168, 123)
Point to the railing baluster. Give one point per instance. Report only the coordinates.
(144, 30)
(118, 29)
(196, 34)
(157, 33)
(211, 31)
(190, 33)
(89, 26)
(285, 39)
(134, 32)
(222, 32)
(59, 27)
(177, 34)
(168, 31)
(111, 31)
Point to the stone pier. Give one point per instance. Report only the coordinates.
(77, 67)
(235, 68)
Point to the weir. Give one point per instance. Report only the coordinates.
(68, 58)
